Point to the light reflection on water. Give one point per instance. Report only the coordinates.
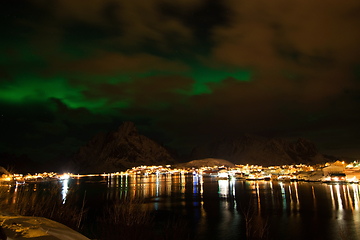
(224, 188)
(296, 210)
(341, 197)
(64, 190)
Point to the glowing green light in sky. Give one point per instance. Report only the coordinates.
(32, 89)
(201, 75)
(204, 75)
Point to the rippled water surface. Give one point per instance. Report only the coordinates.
(218, 209)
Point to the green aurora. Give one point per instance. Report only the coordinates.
(185, 73)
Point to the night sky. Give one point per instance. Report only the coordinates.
(186, 72)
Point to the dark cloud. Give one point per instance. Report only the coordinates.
(31, 127)
(17, 123)
(201, 19)
(298, 29)
(115, 63)
(119, 24)
(5, 76)
(70, 69)
(54, 128)
(273, 108)
(144, 92)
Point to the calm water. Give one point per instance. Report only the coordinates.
(214, 208)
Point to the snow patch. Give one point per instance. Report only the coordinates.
(22, 227)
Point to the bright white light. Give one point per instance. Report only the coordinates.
(223, 175)
(65, 188)
(65, 177)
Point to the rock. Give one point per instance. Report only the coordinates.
(119, 150)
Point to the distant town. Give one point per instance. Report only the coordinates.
(335, 172)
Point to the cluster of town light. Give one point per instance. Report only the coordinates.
(37, 177)
(330, 172)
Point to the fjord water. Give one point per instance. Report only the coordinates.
(214, 209)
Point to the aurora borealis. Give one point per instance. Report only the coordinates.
(184, 71)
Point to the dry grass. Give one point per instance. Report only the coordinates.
(126, 219)
(123, 219)
(344, 232)
(254, 230)
(131, 219)
(176, 229)
(46, 203)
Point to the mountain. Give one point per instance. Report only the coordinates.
(18, 164)
(249, 149)
(208, 162)
(119, 150)
(4, 171)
